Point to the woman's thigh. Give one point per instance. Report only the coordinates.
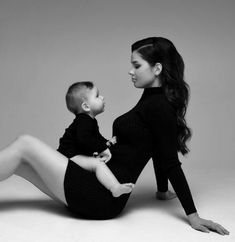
(27, 172)
(49, 164)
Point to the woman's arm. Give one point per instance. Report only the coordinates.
(162, 182)
(160, 175)
(163, 125)
(205, 225)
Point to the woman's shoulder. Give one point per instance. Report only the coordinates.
(158, 105)
(156, 102)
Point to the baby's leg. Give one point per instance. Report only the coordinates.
(104, 175)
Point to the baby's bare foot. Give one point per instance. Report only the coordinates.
(122, 189)
(165, 195)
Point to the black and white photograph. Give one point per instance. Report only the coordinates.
(117, 120)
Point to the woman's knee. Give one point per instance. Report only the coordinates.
(23, 144)
(18, 145)
(26, 141)
(25, 138)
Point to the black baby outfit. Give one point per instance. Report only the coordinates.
(82, 137)
(148, 130)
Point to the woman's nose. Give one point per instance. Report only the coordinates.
(131, 72)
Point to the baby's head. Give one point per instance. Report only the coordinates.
(83, 97)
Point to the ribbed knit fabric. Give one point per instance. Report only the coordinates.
(82, 137)
(148, 130)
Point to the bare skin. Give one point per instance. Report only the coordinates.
(104, 176)
(195, 221)
(205, 225)
(120, 189)
(168, 195)
(36, 162)
(33, 160)
(44, 167)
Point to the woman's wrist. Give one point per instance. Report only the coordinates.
(192, 216)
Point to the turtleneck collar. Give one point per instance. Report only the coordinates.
(153, 90)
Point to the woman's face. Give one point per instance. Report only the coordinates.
(142, 74)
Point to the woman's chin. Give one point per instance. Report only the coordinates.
(137, 85)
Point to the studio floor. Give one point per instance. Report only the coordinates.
(28, 215)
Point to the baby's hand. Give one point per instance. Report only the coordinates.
(112, 141)
(105, 155)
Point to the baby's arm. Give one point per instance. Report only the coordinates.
(87, 135)
(105, 155)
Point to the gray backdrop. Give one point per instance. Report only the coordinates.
(47, 45)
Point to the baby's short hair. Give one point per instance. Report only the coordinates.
(76, 95)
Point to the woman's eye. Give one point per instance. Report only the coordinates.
(137, 66)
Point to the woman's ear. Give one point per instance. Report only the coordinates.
(85, 106)
(157, 69)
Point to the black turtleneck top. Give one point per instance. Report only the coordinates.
(148, 130)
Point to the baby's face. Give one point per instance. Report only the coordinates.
(95, 101)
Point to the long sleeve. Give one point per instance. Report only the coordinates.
(161, 120)
(101, 138)
(88, 135)
(160, 175)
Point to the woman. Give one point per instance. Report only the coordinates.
(155, 127)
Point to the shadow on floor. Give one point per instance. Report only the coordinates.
(145, 199)
(47, 205)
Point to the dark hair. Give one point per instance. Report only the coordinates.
(161, 50)
(76, 95)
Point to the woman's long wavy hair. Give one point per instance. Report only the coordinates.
(161, 50)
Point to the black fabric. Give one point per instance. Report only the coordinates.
(160, 175)
(87, 197)
(148, 130)
(82, 137)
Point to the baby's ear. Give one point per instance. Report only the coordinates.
(85, 106)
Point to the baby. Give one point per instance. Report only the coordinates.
(82, 137)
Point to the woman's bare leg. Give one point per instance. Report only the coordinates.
(27, 172)
(49, 165)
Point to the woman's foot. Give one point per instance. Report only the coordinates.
(165, 195)
(122, 189)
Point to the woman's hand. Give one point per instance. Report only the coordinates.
(112, 141)
(206, 225)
